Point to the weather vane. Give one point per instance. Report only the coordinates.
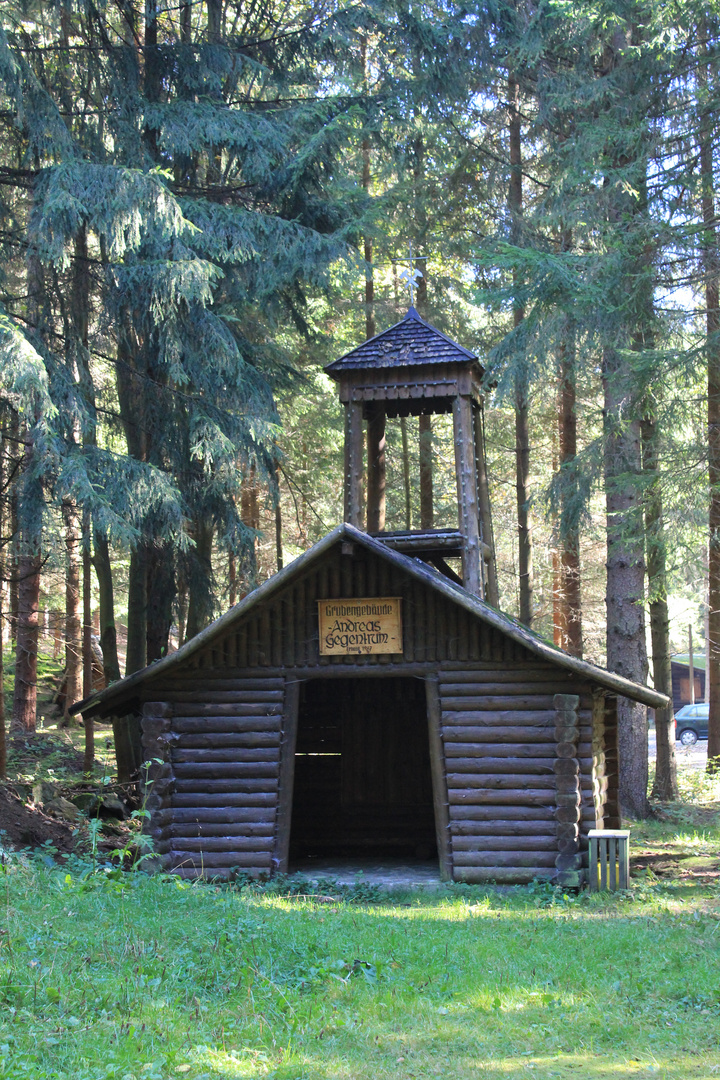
(410, 278)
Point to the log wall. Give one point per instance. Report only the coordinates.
(214, 810)
(501, 747)
(224, 727)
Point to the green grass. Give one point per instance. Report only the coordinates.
(152, 978)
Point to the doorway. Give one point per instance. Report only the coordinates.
(363, 785)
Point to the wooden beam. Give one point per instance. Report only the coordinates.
(426, 471)
(376, 470)
(439, 780)
(287, 776)
(492, 592)
(467, 494)
(353, 463)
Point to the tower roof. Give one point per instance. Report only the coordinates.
(408, 343)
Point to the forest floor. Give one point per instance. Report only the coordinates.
(107, 974)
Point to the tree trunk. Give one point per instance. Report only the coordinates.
(127, 736)
(24, 715)
(522, 430)
(182, 609)
(161, 590)
(73, 631)
(108, 634)
(200, 590)
(3, 740)
(278, 523)
(131, 395)
(665, 785)
(137, 611)
(626, 652)
(28, 528)
(232, 580)
(367, 240)
(89, 752)
(15, 534)
(569, 562)
(711, 268)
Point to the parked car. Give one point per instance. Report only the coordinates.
(691, 723)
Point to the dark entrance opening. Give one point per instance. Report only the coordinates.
(363, 785)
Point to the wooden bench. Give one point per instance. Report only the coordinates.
(609, 859)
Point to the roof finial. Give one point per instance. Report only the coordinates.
(410, 278)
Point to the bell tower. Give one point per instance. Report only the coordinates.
(412, 369)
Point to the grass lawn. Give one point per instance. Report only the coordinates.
(152, 978)
(117, 976)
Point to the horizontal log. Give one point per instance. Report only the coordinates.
(473, 796)
(534, 751)
(510, 781)
(499, 766)
(468, 714)
(231, 725)
(189, 678)
(504, 734)
(230, 845)
(503, 875)
(219, 873)
(215, 740)
(218, 770)
(222, 828)
(208, 815)
(241, 755)
(259, 859)
(238, 709)
(209, 786)
(505, 858)
(501, 813)
(222, 697)
(500, 671)
(505, 843)
(500, 828)
(198, 801)
(498, 703)
(515, 688)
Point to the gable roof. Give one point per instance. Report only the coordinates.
(410, 342)
(105, 701)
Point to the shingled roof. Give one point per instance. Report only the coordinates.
(409, 342)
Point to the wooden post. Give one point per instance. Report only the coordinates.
(286, 780)
(353, 463)
(567, 790)
(691, 666)
(426, 471)
(376, 470)
(467, 494)
(439, 778)
(492, 592)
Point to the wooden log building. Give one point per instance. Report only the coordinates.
(366, 701)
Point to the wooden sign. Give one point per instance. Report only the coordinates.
(361, 625)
